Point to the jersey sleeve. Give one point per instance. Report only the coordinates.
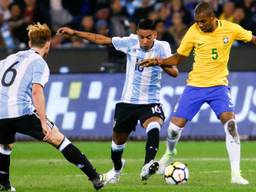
(166, 50)
(241, 34)
(40, 72)
(187, 43)
(122, 43)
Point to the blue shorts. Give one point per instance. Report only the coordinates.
(190, 102)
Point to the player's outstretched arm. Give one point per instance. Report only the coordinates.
(92, 37)
(168, 62)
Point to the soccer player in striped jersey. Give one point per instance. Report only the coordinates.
(211, 39)
(23, 76)
(140, 96)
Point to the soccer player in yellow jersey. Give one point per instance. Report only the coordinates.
(211, 40)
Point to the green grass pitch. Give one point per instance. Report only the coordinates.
(38, 167)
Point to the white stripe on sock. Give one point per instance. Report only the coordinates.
(64, 144)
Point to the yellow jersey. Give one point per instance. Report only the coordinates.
(211, 52)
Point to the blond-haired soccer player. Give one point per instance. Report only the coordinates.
(211, 39)
(22, 79)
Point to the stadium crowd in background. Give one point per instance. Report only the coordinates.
(112, 17)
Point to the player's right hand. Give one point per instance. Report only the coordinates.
(47, 132)
(65, 30)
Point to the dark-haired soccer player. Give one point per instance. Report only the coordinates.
(140, 97)
(211, 39)
(22, 106)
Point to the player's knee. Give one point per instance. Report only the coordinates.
(116, 147)
(174, 131)
(56, 138)
(153, 125)
(231, 128)
(6, 149)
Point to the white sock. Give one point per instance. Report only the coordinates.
(174, 133)
(233, 148)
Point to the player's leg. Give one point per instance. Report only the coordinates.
(222, 105)
(124, 123)
(5, 152)
(189, 104)
(7, 138)
(31, 126)
(75, 156)
(152, 126)
(233, 147)
(117, 148)
(173, 135)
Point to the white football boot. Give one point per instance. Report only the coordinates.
(113, 175)
(238, 179)
(149, 169)
(166, 160)
(13, 189)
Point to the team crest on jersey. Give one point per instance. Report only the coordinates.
(225, 40)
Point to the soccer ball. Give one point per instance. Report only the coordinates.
(176, 173)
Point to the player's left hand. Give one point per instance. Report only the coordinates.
(47, 132)
(151, 62)
(65, 30)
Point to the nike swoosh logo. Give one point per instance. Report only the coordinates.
(200, 44)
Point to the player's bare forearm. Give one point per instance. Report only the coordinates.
(172, 71)
(173, 60)
(168, 62)
(39, 102)
(92, 37)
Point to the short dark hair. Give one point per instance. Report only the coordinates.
(147, 24)
(205, 8)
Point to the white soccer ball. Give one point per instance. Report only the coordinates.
(176, 173)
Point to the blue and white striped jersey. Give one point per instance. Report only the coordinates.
(17, 74)
(142, 85)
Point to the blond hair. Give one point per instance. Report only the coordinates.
(39, 34)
